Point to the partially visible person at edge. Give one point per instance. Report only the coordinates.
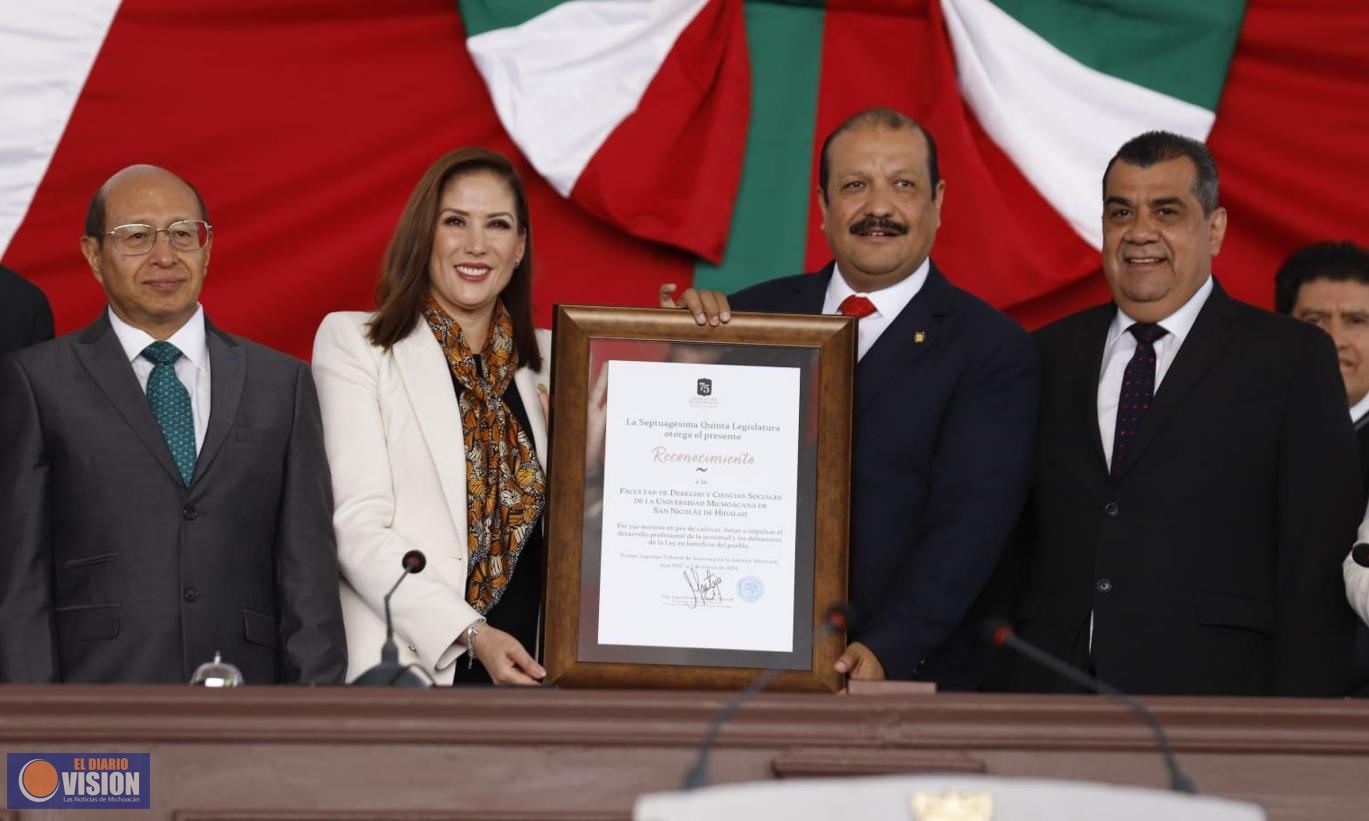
(437, 432)
(1327, 284)
(25, 316)
(1198, 486)
(166, 490)
(945, 404)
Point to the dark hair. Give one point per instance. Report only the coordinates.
(405, 277)
(95, 212)
(1161, 146)
(1336, 261)
(877, 118)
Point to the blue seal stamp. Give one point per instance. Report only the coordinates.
(750, 588)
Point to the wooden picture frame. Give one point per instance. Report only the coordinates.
(585, 340)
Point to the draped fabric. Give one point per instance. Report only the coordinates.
(305, 127)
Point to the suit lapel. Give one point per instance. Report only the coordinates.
(1092, 340)
(925, 313)
(1211, 334)
(104, 359)
(227, 376)
(428, 383)
(807, 296)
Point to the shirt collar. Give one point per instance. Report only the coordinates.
(1178, 324)
(189, 339)
(890, 301)
(1360, 409)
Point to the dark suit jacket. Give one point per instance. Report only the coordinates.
(112, 570)
(25, 317)
(1212, 561)
(941, 465)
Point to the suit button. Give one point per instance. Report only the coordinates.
(191, 594)
(1111, 508)
(1103, 585)
(189, 512)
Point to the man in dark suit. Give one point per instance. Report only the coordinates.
(25, 316)
(166, 491)
(945, 404)
(1327, 284)
(1197, 486)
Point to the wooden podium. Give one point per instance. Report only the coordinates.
(339, 753)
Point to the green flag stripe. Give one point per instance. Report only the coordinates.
(481, 16)
(769, 224)
(1177, 47)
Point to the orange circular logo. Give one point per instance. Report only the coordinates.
(38, 780)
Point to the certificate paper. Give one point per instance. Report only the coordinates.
(700, 494)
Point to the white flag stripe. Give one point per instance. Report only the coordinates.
(564, 80)
(1057, 119)
(46, 51)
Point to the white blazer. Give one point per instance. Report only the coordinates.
(395, 447)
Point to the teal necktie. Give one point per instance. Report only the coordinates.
(171, 405)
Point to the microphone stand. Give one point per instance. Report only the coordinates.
(1002, 635)
(697, 776)
(389, 673)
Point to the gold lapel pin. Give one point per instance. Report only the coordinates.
(920, 337)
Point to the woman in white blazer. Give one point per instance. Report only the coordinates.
(436, 433)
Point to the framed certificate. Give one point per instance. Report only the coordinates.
(697, 533)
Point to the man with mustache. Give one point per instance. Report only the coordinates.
(944, 411)
(1197, 487)
(1327, 285)
(165, 492)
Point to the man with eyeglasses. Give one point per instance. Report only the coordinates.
(166, 495)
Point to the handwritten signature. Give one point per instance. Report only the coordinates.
(703, 588)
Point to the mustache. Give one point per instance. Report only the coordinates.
(885, 224)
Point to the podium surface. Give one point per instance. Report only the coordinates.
(340, 753)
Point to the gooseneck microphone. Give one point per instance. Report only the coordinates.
(389, 673)
(1359, 554)
(836, 618)
(1000, 634)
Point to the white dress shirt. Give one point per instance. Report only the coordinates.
(1358, 410)
(889, 303)
(192, 368)
(1120, 346)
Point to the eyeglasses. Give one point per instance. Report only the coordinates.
(186, 235)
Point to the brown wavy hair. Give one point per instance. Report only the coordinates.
(405, 277)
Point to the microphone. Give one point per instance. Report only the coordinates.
(1359, 554)
(389, 673)
(836, 618)
(1000, 634)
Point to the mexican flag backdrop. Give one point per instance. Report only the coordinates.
(665, 140)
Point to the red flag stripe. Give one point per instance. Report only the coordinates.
(670, 171)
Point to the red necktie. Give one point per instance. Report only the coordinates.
(856, 306)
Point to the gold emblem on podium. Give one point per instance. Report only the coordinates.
(952, 805)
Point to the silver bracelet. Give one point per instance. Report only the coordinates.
(471, 632)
